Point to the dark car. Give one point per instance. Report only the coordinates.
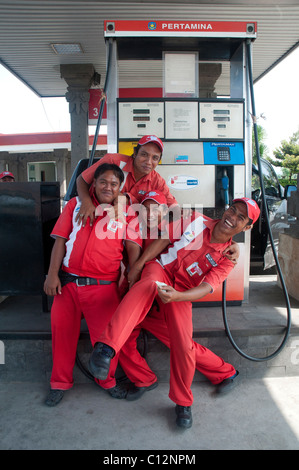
(276, 198)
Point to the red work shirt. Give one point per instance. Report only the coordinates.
(134, 189)
(193, 259)
(97, 250)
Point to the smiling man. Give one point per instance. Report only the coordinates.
(190, 267)
(139, 171)
(83, 277)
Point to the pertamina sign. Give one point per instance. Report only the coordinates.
(125, 28)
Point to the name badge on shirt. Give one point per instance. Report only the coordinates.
(194, 269)
(211, 260)
(190, 235)
(114, 225)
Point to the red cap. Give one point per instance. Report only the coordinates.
(253, 210)
(156, 196)
(6, 173)
(146, 139)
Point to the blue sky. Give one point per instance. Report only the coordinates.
(276, 97)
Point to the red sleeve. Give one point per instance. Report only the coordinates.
(133, 228)
(88, 174)
(219, 273)
(64, 224)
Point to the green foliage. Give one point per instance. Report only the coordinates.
(287, 156)
(285, 181)
(263, 149)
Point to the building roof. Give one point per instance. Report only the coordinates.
(30, 28)
(43, 142)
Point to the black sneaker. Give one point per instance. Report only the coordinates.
(136, 392)
(228, 384)
(184, 416)
(99, 362)
(55, 396)
(118, 391)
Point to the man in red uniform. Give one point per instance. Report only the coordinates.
(139, 171)
(83, 276)
(190, 268)
(155, 223)
(6, 177)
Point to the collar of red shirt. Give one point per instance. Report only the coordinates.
(210, 224)
(129, 168)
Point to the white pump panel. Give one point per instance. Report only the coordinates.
(222, 120)
(140, 118)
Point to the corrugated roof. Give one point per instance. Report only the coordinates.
(27, 29)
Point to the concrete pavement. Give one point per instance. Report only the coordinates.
(261, 414)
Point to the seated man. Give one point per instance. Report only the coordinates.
(140, 175)
(154, 225)
(190, 268)
(83, 277)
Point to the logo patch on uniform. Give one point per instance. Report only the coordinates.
(190, 235)
(194, 269)
(114, 225)
(211, 260)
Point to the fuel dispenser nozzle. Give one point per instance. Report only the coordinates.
(225, 186)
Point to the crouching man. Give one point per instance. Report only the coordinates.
(187, 269)
(83, 276)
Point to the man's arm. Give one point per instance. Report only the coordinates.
(87, 207)
(133, 251)
(52, 284)
(169, 294)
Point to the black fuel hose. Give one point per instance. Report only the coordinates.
(99, 121)
(284, 289)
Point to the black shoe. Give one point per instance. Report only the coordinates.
(184, 416)
(119, 391)
(136, 392)
(228, 384)
(54, 397)
(99, 362)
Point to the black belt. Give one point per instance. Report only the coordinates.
(90, 281)
(65, 278)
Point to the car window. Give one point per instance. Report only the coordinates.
(270, 180)
(271, 183)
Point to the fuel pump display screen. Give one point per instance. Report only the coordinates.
(138, 119)
(221, 120)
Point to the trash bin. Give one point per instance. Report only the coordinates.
(28, 212)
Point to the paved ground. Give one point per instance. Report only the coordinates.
(259, 414)
(262, 413)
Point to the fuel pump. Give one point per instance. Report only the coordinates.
(198, 111)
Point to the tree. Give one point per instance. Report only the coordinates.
(287, 155)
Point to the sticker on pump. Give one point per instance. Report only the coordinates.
(182, 182)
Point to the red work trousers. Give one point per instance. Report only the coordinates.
(96, 304)
(173, 326)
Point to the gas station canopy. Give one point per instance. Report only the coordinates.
(36, 37)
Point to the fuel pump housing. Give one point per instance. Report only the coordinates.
(200, 110)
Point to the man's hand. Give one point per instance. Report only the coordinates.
(134, 274)
(232, 252)
(168, 294)
(119, 207)
(52, 285)
(87, 209)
